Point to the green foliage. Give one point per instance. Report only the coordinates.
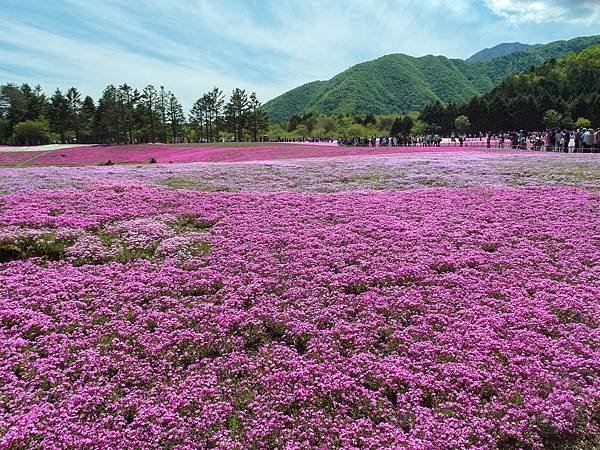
(31, 132)
(124, 115)
(397, 83)
(189, 222)
(499, 68)
(419, 127)
(462, 124)
(385, 123)
(567, 121)
(236, 111)
(47, 247)
(396, 127)
(190, 183)
(552, 118)
(301, 131)
(4, 130)
(407, 124)
(549, 95)
(582, 122)
(257, 120)
(400, 125)
(311, 126)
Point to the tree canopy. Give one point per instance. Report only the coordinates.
(570, 87)
(399, 83)
(124, 114)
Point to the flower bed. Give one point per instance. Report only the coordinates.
(137, 317)
(119, 154)
(15, 158)
(348, 173)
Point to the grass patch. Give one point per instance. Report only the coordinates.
(358, 178)
(190, 222)
(201, 249)
(47, 247)
(186, 183)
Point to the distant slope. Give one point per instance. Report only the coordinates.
(400, 83)
(500, 68)
(507, 48)
(570, 85)
(298, 99)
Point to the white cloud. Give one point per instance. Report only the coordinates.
(585, 12)
(267, 46)
(189, 45)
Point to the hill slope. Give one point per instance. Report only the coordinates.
(400, 83)
(569, 85)
(504, 49)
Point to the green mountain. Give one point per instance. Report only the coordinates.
(499, 50)
(400, 83)
(569, 85)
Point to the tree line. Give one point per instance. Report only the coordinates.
(312, 126)
(126, 115)
(559, 93)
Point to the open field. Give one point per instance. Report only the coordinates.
(38, 148)
(276, 299)
(400, 171)
(187, 153)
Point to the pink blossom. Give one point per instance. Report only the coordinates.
(432, 318)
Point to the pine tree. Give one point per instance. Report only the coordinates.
(108, 124)
(217, 100)
(257, 117)
(88, 109)
(74, 111)
(407, 124)
(236, 113)
(396, 127)
(462, 124)
(36, 103)
(176, 116)
(59, 114)
(127, 99)
(552, 118)
(149, 103)
(197, 116)
(13, 105)
(162, 113)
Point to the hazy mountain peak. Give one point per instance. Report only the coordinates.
(496, 51)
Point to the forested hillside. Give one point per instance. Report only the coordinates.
(398, 83)
(570, 86)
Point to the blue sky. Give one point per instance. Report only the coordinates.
(266, 46)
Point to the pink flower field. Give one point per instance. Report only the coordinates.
(120, 154)
(439, 300)
(9, 158)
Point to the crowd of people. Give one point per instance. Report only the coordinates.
(583, 140)
(429, 140)
(307, 140)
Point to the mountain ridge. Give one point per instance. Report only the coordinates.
(568, 85)
(399, 83)
(503, 49)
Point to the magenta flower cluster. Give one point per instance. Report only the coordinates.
(15, 158)
(162, 153)
(348, 173)
(140, 317)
